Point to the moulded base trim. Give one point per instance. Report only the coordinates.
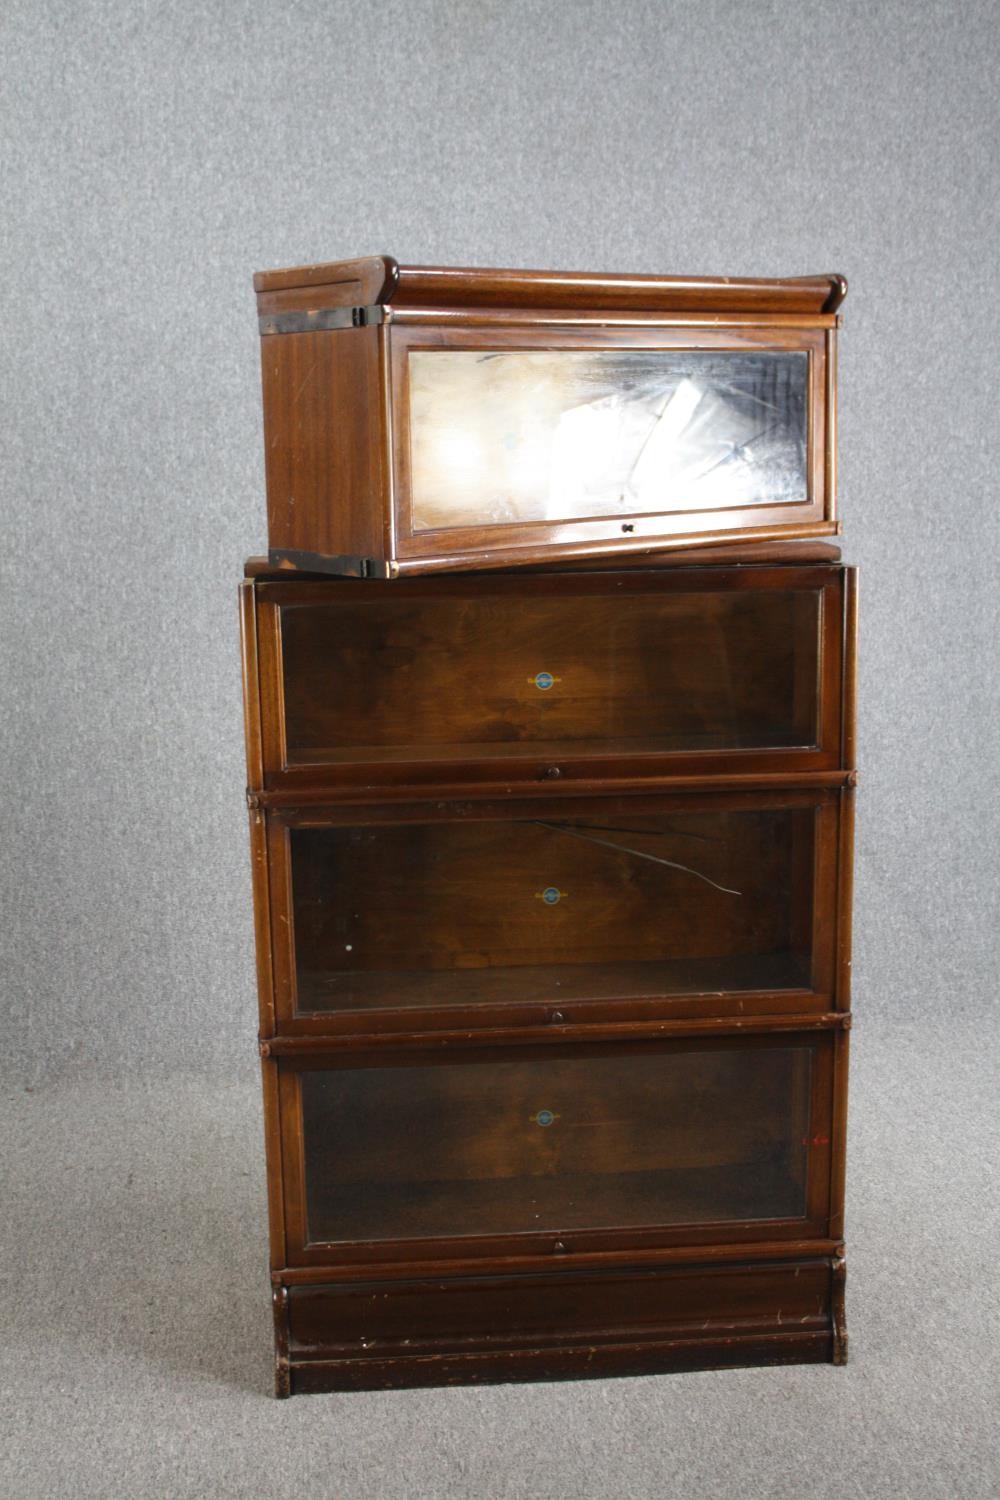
(572, 1362)
(559, 1326)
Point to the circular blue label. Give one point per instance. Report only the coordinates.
(551, 895)
(545, 1117)
(544, 681)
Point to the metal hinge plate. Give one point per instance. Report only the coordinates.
(321, 319)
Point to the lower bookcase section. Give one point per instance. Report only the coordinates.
(558, 1325)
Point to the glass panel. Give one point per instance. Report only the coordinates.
(586, 1142)
(495, 676)
(557, 435)
(616, 904)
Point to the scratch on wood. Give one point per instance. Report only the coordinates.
(304, 382)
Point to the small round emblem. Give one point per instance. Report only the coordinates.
(543, 681)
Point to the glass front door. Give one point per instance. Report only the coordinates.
(608, 901)
(506, 437)
(683, 1134)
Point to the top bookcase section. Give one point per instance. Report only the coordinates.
(422, 418)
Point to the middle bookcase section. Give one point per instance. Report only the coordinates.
(554, 910)
(606, 676)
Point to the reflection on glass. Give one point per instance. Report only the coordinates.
(429, 679)
(499, 438)
(650, 1137)
(559, 908)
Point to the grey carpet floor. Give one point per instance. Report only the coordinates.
(136, 1355)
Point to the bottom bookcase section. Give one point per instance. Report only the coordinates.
(626, 1321)
(581, 1145)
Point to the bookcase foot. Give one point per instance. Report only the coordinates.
(839, 1311)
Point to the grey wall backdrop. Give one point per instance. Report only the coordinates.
(155, 155)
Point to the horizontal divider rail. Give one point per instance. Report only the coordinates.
(291, 799)
(299, 1045)
(500, 1265)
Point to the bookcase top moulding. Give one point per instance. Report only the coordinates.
(379, 280)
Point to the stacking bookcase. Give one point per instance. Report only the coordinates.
(424, 419)
(552, 875)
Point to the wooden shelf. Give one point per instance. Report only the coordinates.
(553, 983)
